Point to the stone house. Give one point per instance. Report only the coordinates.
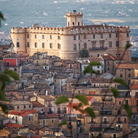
(127, 71)
(25, 117)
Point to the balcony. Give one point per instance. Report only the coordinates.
(98, 48)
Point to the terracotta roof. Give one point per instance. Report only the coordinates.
(48, 116)
(89, 98)
(134, 86)
(23, 113)
(35, 136)
(127, 65)
(12, 125)
(47, 97)
(110, 57)
(72, 104)
(37, 104)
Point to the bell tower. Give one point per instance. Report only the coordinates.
(74, 18)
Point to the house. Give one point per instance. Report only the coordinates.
(24, 117)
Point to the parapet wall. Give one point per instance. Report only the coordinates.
(92, 29)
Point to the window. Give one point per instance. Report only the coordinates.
(24, 106)
(129, 75)
(84, 36)
(50, 45)
(125, 120)
(43, 45)
(127, 42)
(59, 46)
(119, 102)
(35, 45)
(94, 36)
(119, 112)
(128, 69)
(110, 43)
(15, 69)
(43, 122)
(79, 46)
(52, 121)
(127, 34)
(117, 43)
(108, 68)
(121, 69)
(78, 24)
(94, 44)
(98, 55)
(114, 136)
(35, 36)
(85, 45)
(18, 45)
(116, 34)
(73, 23)
(58, 37)
(137, 102)
(29, 106)
(29, 118)
(50, 36)
(109, 35)
(121, 75)
(43, 36)
(17, 107)
(75, 47)
(78, 37)
(101, 43)
(126, 102)
(28, 44)
(7, 64)
(27, 35)
(101, 35)
(74, 37)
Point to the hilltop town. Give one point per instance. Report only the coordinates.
(49, 65)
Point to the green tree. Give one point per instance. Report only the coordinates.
(84, 53)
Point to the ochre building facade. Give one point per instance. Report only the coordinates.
(66, 42)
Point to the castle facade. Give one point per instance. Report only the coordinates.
(66, 42)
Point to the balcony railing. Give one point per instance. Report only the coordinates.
(98, 48)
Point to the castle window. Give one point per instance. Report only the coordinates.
(109, 35)
(75, 47)
(116, 34)
(94, 36)
(18, 45)
(27, 35)
(127, 34)
(35, 36)
(110, 43)
(50, 45)
(74, 37)
(35, 45)
(28, 44)
(101, 35)
(43, 45)
(84, 36)
(59, 46)
(58, 37)
(85, 45)
(50, 36)
(43, 37)
(78, 37)
(117, 43)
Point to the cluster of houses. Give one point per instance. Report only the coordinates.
(32, 109)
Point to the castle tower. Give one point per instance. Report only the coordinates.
(74, 18)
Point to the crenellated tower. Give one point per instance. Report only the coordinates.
(74, 18)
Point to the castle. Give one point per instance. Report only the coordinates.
(66, 42)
